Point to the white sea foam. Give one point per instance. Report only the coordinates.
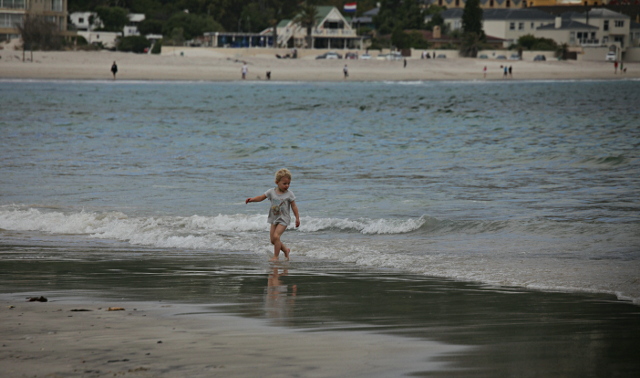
(506, 264)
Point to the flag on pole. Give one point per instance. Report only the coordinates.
(350, 7)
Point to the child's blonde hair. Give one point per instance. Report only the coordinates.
(284, 172)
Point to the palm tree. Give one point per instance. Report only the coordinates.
(307, 18)
(471, 43)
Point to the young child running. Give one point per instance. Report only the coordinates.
(279, 216)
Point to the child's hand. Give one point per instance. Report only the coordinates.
(297, 222)
(247, 201)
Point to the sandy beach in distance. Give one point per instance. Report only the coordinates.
(205, 64)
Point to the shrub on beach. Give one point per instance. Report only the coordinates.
(135, 43)
(157, 47)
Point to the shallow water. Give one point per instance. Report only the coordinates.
(532, 184)
(429, 210)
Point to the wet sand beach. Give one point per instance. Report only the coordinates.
(204, 64)
(240, 316)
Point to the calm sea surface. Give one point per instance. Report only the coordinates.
(527, 184)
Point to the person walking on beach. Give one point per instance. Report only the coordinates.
(245, 70)
(345, 71)
(282, 200)
(114, 69)
(484, 71)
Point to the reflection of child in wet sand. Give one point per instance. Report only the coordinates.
(279, 301)
(282, 199)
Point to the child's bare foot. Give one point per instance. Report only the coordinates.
(273, 259)
(286, 253)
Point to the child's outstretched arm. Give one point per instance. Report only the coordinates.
(259, 198)
(294, 207)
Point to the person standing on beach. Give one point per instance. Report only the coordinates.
(245, 70)
(114, 69)
(345, 71)
(615, 67)
(484, 71)
(282, 200)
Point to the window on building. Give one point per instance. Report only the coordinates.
(491, 3)
(605, 25)
(56, 5)
(521, 26)
(12, 4)
(533, 25)
(10, 20)
(508, 3)
(457, 3)
(619, 23)
(512, 26)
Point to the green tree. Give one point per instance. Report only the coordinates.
(38, 33)
(472, 17)
(157, 47)
(400, 39)
(193, 25)
(134, 43)
(470, 45)
(150, 26)
(403, 14)
(113, 18)
(473, 36)
(307, 18)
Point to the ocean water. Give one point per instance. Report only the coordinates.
(519, 184)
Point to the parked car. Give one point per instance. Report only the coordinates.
(611, 57)
(501, 57)
(483, 56)
(514, 57)
(329, 55)
(441, 56)
(351, 55)
(365, 56)
(391, 56)
(539, 58)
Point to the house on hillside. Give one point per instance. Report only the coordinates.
(366, 19)
(484, 4)
(332, 31)
(88, 23)
(634, 34)
(564, 30)
(614, 27)
(505, 24)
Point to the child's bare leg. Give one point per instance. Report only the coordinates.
(275, 233)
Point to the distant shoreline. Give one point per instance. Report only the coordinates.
(219, 65)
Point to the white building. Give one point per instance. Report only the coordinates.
(88, 23)
(331, 31)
